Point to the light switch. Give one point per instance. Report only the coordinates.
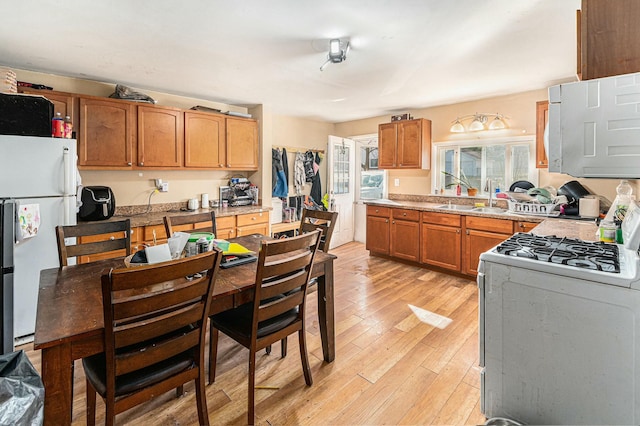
(396, 182)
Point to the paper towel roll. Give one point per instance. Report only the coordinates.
(589, 207)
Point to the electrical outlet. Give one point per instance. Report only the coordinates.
(158, 183)
(164, 187)
(396, 182)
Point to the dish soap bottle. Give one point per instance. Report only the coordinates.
(622, 203)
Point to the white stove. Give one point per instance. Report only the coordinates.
(560, 329)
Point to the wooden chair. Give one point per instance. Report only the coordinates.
(318, 219)
(313, 220)
(203, 222)
(278, 308)
(155, 332)
(121, 239)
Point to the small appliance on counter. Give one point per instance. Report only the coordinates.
(240, 192)
(98, 203)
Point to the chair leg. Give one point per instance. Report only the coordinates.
(305, 358)
(213, 352)
(91, 404)
(268, 349)
(201, 399)
(179, 391)
(283, 347)
(251, 415)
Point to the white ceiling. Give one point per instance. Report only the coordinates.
(405, 53)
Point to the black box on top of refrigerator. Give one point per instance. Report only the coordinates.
(25, 115)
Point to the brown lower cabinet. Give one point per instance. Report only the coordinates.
(449, 241)
(441, 240)
(481, 234)
(404, 234)
(378, 225)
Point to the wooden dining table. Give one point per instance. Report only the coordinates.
(70, 326)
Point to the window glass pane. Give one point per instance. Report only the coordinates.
(372, 184)
(471, 165)
(519, 163)
(449, 167)
(495, 169)
(341, 176)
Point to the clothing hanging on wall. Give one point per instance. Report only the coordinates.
(316, 186)
(278, 180)
(308, 166)
(298, 172)
(285, 166)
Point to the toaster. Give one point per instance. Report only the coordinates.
(98, 203)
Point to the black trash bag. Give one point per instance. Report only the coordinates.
(21, 391)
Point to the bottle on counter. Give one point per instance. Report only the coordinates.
(607, 231)
(57, 126)
(458, 190)
(68, 127)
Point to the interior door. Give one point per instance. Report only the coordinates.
(341, 175)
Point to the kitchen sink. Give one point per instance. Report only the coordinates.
(488, 210)
(455, 207)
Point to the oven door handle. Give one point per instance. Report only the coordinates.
(480, 281)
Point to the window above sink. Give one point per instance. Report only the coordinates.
(503, 160)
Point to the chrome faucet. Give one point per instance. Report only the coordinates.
(489, 188)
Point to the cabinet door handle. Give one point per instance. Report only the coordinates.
(142, 163)
(253, 218)
(467, 232)
(393, 222)
(404, 214)
(129, 163)
(457, 231)
(386, 221)
(112, 238)
(221, 165)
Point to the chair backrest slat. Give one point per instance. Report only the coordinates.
(117, 236)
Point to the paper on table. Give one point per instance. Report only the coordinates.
(238, 250)
(157, 254)
(177, 243)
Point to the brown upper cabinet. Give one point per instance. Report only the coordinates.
(204, 140)
(542, 117)
(404, 144)
(106, 133)
(160, 136)
(242, 144)
(608, 34)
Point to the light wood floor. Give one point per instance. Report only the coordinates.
(390, 366)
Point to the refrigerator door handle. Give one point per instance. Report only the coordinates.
(68, 190)
(480, 281)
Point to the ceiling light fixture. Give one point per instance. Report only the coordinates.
(478, 122)
(337, 52)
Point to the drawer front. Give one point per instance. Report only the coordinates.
(378, 211)
(489, 224)
(442, 218)
(405, 214)
(224, 222)
(101, 237)
(252, 218)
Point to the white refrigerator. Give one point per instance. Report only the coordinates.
(37, 192)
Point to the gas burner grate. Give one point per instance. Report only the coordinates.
(566, 251)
